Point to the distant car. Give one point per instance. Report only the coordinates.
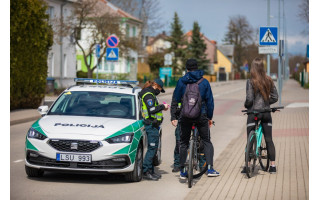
(90, 129)
(274, 76)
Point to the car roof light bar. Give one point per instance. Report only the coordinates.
(103, 81)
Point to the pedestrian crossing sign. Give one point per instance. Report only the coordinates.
(268, 36)
(112, 54)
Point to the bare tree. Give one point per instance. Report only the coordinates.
(304, 11)
(91, 23)
(240, 35)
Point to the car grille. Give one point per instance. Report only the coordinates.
(103, 164)
(74, 145)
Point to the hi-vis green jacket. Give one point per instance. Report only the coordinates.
(151, 109)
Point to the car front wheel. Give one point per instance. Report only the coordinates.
(136, 174)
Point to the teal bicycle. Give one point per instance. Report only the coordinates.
(256, 148)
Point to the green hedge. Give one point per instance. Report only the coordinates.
(31, 37)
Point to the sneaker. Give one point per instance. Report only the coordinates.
(212, 173)
(148, 176)
(272, 170)
(244, 170)
(156, 175)
(183, 174)
(175, 169)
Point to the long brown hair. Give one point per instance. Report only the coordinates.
(260, 81)
(149, 83)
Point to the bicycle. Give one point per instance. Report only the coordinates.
(256, 146)
(196, 160)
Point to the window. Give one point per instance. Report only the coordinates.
(128, 65)
(97, 104)
(127, 30)
(106, 66)
(50, 12)
(134, 31)
(65, 66)
(79, 65)
(51, 63)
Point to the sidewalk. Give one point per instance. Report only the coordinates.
(291, 139)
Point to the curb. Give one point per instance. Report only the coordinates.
(20, 121)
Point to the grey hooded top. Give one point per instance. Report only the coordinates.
(256, 101)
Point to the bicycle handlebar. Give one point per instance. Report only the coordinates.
(274, 109)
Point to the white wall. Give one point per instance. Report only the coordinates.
(63, 72)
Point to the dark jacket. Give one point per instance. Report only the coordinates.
(204, 87)
(150, 101)
(174, 110)
(256, 101)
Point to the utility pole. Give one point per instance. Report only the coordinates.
(268, 23)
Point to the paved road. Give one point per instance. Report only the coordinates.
(229, 123)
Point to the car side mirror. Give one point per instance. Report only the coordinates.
(43, 110)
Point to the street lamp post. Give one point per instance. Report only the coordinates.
(279, 59)
(268, 23)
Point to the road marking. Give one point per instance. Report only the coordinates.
(17, 161)
(228, 92)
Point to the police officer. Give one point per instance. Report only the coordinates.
(153, 117)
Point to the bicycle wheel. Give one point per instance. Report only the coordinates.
(263, 155)
(251, 157)
(200, 164)
(190, 163)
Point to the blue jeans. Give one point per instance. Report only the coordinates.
(153, 142)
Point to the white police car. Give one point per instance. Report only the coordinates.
(90, 128)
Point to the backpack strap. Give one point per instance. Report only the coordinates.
(199, 81)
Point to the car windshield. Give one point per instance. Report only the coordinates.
(98, 104)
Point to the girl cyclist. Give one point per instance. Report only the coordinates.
(260, 94)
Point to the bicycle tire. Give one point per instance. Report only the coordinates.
(263, 155)
(250, 154)
(190, 164)
(199, 167)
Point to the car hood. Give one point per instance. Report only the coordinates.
(79, 127)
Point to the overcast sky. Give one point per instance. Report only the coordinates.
(213, 17)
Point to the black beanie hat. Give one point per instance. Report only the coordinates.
(192, 64)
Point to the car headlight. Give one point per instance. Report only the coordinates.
(32, 133)
(125, 138)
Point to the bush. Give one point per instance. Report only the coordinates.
(31, 37)
(81, 74)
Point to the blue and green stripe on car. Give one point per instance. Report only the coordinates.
(131, 149)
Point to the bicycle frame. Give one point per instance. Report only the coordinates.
(259, 135)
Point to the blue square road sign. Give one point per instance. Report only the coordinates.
(268, 36)
(112, 54)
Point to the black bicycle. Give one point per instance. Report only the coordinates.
(256, 145)
(197, 164)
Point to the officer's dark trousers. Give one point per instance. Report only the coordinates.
(204, 132)
(153, 142)
(176, 154)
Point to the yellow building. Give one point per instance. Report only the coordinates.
(223, 67)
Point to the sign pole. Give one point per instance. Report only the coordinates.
(268, 55)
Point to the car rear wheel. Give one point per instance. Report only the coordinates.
(34, 172)
(136, 174)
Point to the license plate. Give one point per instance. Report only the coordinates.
(67, 157)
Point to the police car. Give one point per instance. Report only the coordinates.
(94, 127)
